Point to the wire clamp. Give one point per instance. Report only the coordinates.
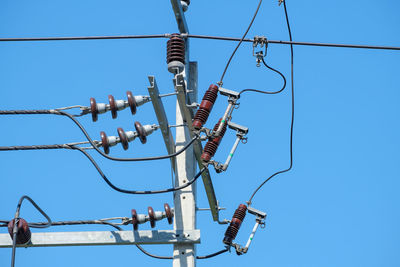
(260, 40)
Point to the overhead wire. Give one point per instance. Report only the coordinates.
(238, 45)
(94, 145)
(292, 113)
(16, 220)
(268, 92)
(196, 36)
(137, 192)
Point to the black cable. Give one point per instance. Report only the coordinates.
(268, 92)
(240, 42)
(212, 255)
(16, 219)
(170, 258)
(62, 113)
(34, 147)
(292, 115)
(66, 146)
(30, 39)
(136, 191)
(166, 35)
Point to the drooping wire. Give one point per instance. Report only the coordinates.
(170, 258)
(94, 145)
(136, 191)
(268, 92)
(292, 113)
(16, 220)
(240, 42)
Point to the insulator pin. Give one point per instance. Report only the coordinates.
(235, 224)
(116, 105)
(152, 216)
(125, 137)
(206, 106)
(212, 145)
(176, 53)
(23, 231)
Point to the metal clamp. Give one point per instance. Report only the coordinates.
(260, 40)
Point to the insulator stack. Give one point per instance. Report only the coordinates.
(206, 106)
(212, 145)
(125, 137)
(175, 53)
(116, 105)
(152, 216)
(234, 226)
(23, 231)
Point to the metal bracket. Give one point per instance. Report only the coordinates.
(162, 118)
(188, 115)
(51, 239)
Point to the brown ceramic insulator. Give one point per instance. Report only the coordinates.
(134, 220)
(151, 217)
(113, 106)
(123, 138)
(176, 49)
(23, 231)
(93, 109)
(235, 224)
(209, 151)
(104, 142)
(131, 102)
(141, 132)
(212, 145)
(168, 213)
(206, 106)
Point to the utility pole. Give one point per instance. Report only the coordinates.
(184, 200)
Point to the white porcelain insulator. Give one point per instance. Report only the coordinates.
(102, 107)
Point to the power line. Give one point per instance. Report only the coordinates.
(292, 113)
(240, 42)
(222, 38)
(268, 92)
(80, 126)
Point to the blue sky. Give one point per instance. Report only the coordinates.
(338, 207)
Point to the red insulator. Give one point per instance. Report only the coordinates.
(104, 142)
(93, 109)
(141, 132)
(123, 138)
(212, 145)
(151, 217)
(135, 222)
(23, 232)
(206, 106)
(234, 226)
(176, 49)
(168, 213)
(113, 107)
(132, 102)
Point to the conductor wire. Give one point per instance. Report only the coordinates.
(16, 219)
(94, 145)
(268, 92)
(292, 115)
(121, 190)
(240, 42)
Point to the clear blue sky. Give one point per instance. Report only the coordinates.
(338, 207)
